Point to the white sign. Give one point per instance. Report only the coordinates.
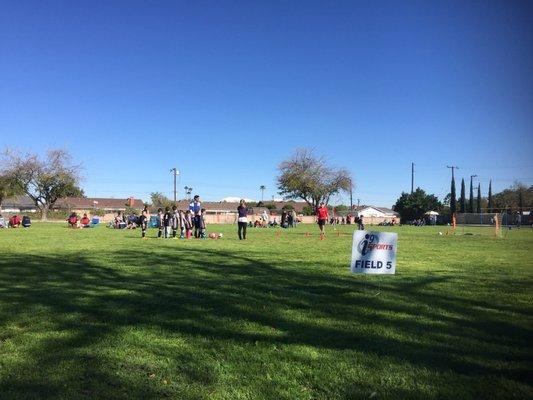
(374, 252)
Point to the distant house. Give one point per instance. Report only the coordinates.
(378, 212)
(18, 204)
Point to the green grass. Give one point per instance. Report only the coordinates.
(100, 314)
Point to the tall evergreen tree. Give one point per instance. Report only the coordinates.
(453, 201)
(471, 200)
(463, 196)
(490, 196)
(520, 201)
(479, 198)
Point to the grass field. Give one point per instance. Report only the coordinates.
(100, 314)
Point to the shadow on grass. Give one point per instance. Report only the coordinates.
(75, 305)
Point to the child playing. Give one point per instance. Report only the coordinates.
(175, 221)
(143, 222)
(188, 224)
(167, 222)
(202, 224)
(181, 221)
(160, 225)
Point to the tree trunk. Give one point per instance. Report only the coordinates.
(44, 212)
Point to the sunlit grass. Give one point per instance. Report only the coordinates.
(100, 313)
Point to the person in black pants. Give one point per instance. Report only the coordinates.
(242, 219)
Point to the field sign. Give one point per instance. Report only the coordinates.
(374, 252)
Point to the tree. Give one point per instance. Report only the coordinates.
(270, 206)
(341, 208)
(453, 201)
(414, 205)
(8, 188)
(490, 197)
(262, 189)
(159, 200)
(44, 180)
(308, 177)
(463, 197)
(288, 207)
(478, 198)
(308, 210)
(509, 199)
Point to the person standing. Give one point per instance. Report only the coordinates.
(143, 222)
(361, 223)
(242, 219)
(167, 222)
(322, 217)
(160, 225)
(265, 218)
(203, 225)
(196, 208)
(175, 221)
(188, 223)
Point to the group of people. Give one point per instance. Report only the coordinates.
(78, 223)
(289, 219)
(170, 221)
(322, 215)
(15, 221)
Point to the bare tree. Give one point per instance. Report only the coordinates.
(308, 177)
(44, 180)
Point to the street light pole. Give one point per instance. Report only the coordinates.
(351, 195)
(175, 173)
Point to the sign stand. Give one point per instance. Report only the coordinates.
(374, 253)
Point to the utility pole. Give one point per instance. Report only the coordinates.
(351, 198)
(175, 173)
(452, 168)
(453, 200)
(188, 191)
(412, 177)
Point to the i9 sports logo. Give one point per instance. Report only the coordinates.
(370, 243)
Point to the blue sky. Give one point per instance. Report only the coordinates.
(225, 90)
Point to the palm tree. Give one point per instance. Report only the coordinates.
(262, 189)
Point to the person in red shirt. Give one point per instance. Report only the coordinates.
(15, 221)
(322, 216)
(85, 221)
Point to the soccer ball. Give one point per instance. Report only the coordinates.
(219, 235)
(440, 233)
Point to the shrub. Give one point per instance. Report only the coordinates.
(97, 211)
(308, 210)
(270, 206)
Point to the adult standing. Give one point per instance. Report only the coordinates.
(265, 218)
(195, 208)
(242, 219)
(322, 217)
